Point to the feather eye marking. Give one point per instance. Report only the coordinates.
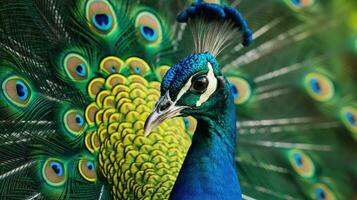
(148, 28)
(76, 67)
(54, 172)
(87, 169)
(101, 16)
(17, 91)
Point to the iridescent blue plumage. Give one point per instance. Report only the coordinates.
(195, 87)
(208, 171)
(184, 69)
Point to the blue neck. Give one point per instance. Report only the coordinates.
(208, 171)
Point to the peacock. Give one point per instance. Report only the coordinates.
(83, 84)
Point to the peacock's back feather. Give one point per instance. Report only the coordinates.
(79, 78)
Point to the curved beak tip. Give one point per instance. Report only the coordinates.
(157, 117)
(149, 125)
(147, 131)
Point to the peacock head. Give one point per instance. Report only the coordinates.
(194, 86)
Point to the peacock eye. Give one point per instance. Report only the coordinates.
(54, 172)
(76, 67)
(88, 170)
(200, 84)
(101, 16)
(322, 192)
(74, 122)
(17, 91)
(148, 28)
(301, 163)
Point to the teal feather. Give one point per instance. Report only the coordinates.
(211, 155)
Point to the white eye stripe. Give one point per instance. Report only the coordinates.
(184, 89)
(211, 88)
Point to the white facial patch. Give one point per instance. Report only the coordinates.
(184, 89)
(211, 88)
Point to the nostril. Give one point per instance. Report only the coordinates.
(164, 105)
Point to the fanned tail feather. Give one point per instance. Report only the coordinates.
(79, 78)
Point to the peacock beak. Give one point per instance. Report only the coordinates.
(165, 109)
